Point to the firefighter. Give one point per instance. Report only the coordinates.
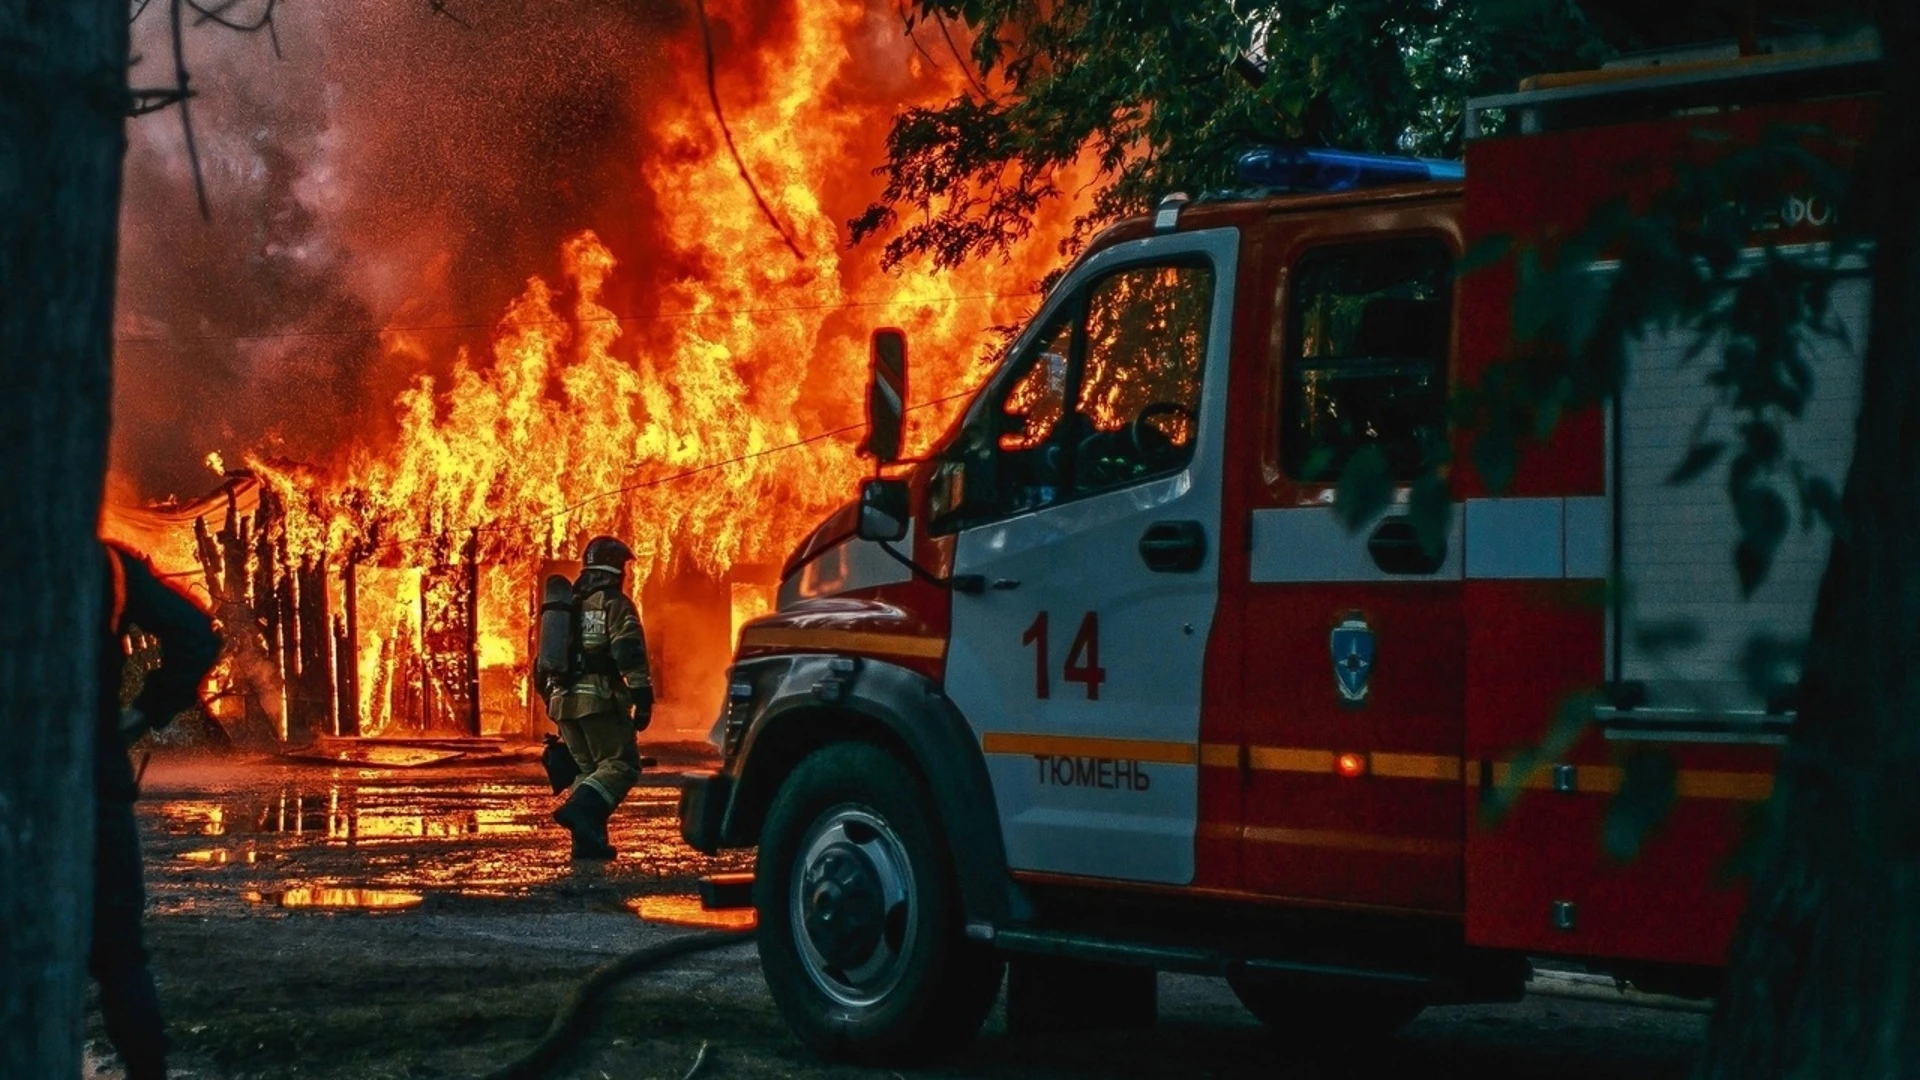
(600, 711)
(117, 957)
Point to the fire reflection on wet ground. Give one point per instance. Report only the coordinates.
(297, 836)
(686, 911)
(357, 899)
(223, 856)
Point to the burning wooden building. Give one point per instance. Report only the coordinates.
(405, 640)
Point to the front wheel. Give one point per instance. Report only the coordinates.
(860, 927)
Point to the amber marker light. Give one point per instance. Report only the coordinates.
(1350, 765)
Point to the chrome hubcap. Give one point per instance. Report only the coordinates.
(851, 905)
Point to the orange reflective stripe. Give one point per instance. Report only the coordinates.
(1153, 751)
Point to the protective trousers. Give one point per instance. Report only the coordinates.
(129, 1007)
(606, 749)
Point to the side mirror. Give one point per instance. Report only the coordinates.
(884, 510)
(886, 394)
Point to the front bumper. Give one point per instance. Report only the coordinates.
(703, 809)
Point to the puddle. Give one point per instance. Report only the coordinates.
(223, 856)
(686, 911)
(194, 817)
(344, 813)
(491, 836)
(401, 757)
(338, 899)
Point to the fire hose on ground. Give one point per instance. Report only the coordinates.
(575, 1015)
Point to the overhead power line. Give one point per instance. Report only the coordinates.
(657, 481)
(661, 316)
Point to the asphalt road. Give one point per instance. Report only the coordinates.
(425, 922)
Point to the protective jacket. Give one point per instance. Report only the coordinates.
(189, 647)
(613, 648)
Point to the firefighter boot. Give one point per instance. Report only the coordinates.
(585, 815)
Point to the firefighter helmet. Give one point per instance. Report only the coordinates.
(607, 551)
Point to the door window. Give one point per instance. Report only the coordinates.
(1368, 327)
(1146, 333)
(1106, 396)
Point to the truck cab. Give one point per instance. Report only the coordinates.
(1107, 684)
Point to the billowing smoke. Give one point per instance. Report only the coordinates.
(393, 167)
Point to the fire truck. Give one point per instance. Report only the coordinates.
(1103, 685)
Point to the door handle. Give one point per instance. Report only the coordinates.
(1396, 549)
(1174, 547)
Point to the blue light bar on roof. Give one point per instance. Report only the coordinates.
(1299, 169)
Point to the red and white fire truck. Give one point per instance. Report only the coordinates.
(1102, 686)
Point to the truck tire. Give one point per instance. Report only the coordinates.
(1290, 1010)
(861, 934)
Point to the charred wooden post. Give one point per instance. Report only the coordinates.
(314, 699)
(277, 577)
(233, 551)
(425, 680)
(211, 561)
(266, 607)
(348, 651)
(343, 707)
(287, 656)
(473, 632)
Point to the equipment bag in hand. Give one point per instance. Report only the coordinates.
(562, 770)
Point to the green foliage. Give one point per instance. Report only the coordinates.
(1135, 98)
(1770, 666)
(1569, 723)
(1366, 487)
(1430, 510)
(1700, 457)
(1646, 794)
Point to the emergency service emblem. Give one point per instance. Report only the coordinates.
(1352, 646)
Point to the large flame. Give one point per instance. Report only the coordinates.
(708, 416)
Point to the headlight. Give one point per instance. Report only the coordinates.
(734, 723)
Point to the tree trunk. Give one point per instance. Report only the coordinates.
(63, 103)
(1825, 975)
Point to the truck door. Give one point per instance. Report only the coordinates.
(1353, 670)
(1090, 472)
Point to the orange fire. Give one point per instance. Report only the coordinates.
(712, 428)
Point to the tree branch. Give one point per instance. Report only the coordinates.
(965, 68)
(186, 116)
(907, 19)
(713, 95)
(440, 8)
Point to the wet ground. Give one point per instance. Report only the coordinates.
(423, 920)
(223, 839)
